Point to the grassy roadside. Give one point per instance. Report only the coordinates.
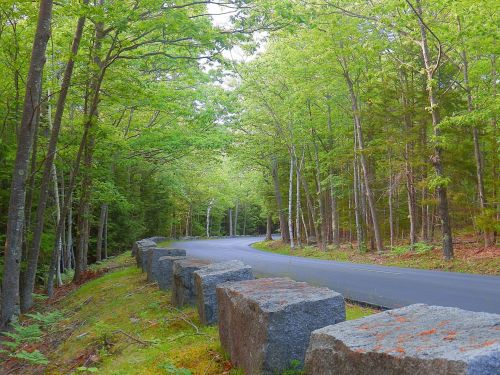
(117, 323)
(467, 257)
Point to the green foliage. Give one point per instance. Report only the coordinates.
(33, 358)
(422, 247)
(22, 334)
(87, 369)
(399, 250)
(295, 368)
(170, 368)
(47, 319)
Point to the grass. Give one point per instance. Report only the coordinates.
(117, 323)
(467, 257)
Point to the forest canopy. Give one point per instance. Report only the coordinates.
(364, 122)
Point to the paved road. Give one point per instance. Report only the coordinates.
(388, 287)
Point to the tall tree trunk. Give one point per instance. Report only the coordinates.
(58, 218)
(333, 196)
(209, 208)
(100, 232)
(231, 222)
(441, 189)
(319, 193)
(84, 211)
(69, 234)
(364, 167)
(391, 213)
(269, 227)
(290, 201)
(34, 250)
(475, 136)
(357, 206)
(244, 219)
(408, 155)
(236, 212)
(10, 304)
(310, 207)
(306, 234)
(106, 233)
(285, 235)
(298, 206)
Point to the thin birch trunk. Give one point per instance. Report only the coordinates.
(297, 206)
(290, 202)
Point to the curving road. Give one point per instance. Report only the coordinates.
(388, 287)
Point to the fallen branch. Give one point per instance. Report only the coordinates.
(141, 288)
(186, 319)
(142, 342)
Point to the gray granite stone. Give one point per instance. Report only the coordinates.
(153, 264)
(206, 280)
(414, 340)
(140, 245)
(183, 290)
(265, 324)
(166, 271)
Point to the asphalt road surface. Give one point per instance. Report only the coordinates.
(388, 287)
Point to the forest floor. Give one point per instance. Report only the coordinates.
(117, 323)
(470, 257)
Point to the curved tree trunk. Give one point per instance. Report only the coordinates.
(10, 304)
(34, 249)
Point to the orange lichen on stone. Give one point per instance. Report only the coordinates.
(404, 337)
(478, 346)
(429, 332)
(401, 319)
(452, 335)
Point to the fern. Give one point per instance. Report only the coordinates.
(34, 358)
(39, 297)
(47, 319)
(22, 334)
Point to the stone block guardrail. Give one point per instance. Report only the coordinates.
(267, 325)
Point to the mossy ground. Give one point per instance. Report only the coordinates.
(119, 324)
(469, 258)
